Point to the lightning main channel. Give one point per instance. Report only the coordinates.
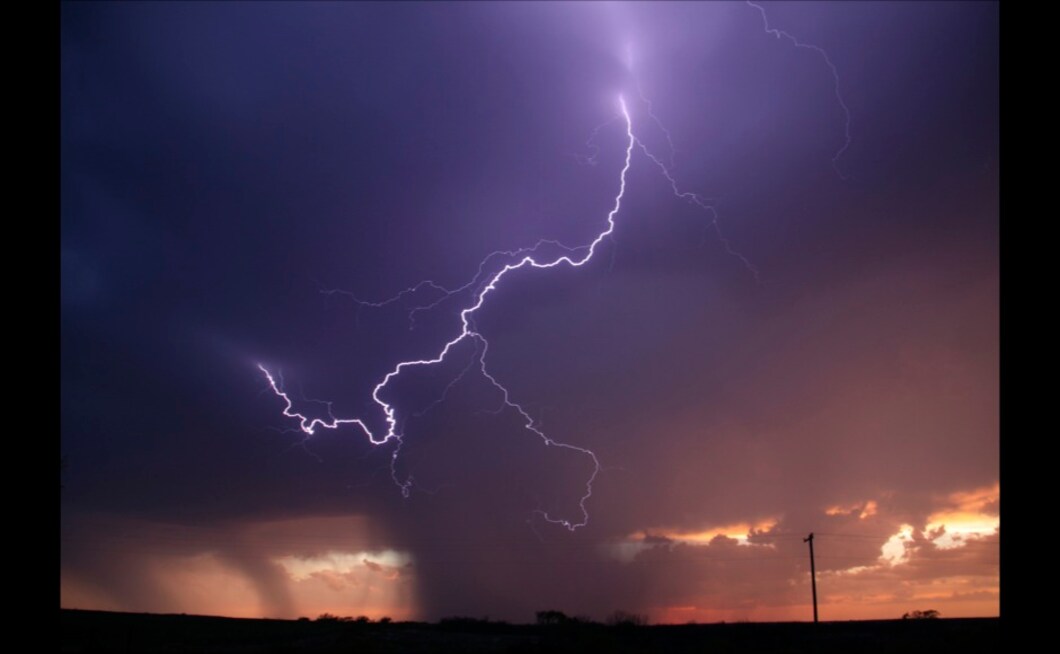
(468, 332)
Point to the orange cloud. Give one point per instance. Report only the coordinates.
(970, 515)
(739, 532)
(864, 510)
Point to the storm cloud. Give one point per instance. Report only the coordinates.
(820, 354)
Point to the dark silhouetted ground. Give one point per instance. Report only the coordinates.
(100, 631)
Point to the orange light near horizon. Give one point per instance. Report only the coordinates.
(387, 564)
(739, 532)
(959, 528)
(967, 520)
(864, 510)
(270, 569)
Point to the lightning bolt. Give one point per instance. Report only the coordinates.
(447, 293)
(428, 295)
(781, 34)
(573, 257)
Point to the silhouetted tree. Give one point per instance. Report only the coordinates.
(626, 619)
(552, 617)
(327, 617)
(921, 615)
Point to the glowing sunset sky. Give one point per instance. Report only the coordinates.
(818, 352)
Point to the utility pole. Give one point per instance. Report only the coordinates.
(813, 576)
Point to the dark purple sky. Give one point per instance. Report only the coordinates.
(224, 163)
